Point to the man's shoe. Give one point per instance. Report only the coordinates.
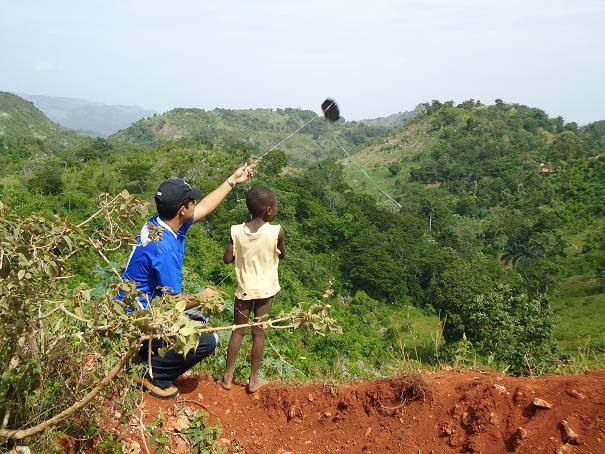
(156, 391)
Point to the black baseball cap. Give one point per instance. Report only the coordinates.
(173, 192)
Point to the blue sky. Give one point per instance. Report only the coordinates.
(374, 57)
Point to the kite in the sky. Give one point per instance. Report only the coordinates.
(330, 110)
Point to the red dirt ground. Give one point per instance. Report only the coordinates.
(470, 411)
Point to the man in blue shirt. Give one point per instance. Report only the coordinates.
(153, 265)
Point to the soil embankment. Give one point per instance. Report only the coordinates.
(448, 411)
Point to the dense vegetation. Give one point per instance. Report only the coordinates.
(485, 258)
(505, 184)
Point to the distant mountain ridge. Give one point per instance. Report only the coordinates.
(93, 118)
(394, 121)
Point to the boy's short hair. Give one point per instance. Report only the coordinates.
(258, 199)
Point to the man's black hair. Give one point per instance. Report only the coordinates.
(173, 194)
(166, 213)
(258, 199)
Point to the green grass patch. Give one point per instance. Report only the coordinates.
(580, 306)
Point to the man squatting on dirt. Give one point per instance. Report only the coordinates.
(153, 265)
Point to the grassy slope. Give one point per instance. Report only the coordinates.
(580, 300)
(580, 306)
(406, 146)
(20, 119)
(260, 128)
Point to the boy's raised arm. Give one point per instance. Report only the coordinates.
(228, 257)
(281, 243)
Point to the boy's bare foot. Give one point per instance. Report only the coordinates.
(226, 384)
(255, 385)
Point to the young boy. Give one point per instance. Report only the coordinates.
(256, 247)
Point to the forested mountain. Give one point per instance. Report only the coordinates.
(258, 129)
(394, 121)
(93, 118)
(524, 188)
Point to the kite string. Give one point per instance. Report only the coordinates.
(366, 174)
(278, 144)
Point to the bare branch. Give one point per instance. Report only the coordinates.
(98, 212)
(104, 258)
(19, 434)
(72, 315)
(49, 313)
(142, 428)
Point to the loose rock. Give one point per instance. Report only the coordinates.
(20, 450)
(520, 434)
(541, 403)
(132, 447)
(501, 389)
(564, 449)
(179, 424)
(569, 436)
(465, 418)
(493, 418)
(575, 394)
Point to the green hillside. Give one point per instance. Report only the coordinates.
(20, 119)
(28, 138)
(488, 262)
(258, 129)
(521, 184)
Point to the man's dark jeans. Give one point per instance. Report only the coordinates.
(167, 369)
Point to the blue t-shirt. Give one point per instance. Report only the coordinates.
(158, 264)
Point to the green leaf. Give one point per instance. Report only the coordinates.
(180, 305)
(20, 274)
(186, 330)
(67, 239)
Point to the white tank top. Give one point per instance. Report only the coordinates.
(256, 260)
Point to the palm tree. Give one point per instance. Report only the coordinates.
(514, 252)
(429, 208)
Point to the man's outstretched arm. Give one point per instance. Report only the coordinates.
(209, 203)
